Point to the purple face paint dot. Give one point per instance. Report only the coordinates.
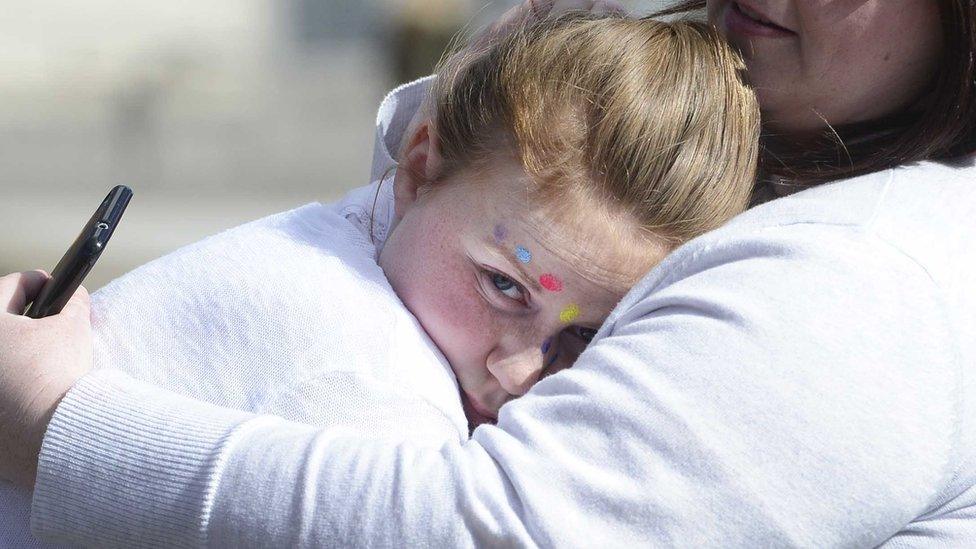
(545, 346)
(522, 254)
(500, 233)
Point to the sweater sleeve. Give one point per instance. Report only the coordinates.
(789, 386)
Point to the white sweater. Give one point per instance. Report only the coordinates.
(803, 376)
(288, 315)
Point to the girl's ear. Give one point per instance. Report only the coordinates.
(420, 163)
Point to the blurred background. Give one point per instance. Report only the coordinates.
(214, 112)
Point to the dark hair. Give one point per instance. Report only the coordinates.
(940, 129)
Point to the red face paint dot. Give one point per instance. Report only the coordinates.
(551, 282)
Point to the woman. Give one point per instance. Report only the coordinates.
(798, 377)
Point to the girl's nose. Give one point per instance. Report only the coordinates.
(518, 369)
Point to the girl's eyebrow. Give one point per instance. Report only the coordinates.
(508, 254)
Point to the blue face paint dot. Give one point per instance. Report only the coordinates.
(545, 346)
(522, 254)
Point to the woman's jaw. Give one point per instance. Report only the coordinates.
(820, 62)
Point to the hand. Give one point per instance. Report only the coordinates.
(531, 10)
(39, 361)
(538, 9)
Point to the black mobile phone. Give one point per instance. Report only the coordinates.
(81, 256)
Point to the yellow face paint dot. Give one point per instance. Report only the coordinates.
(569, 313)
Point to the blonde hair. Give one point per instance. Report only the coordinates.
(648, 116)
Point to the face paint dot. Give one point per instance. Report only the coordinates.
(500, 233)
(545, 346)
(522, 254)
(551, 282)
(569, 313)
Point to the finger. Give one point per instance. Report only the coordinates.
(526, 11)
(78, 308)
(18, 289)
(539, 8)
(562, 6)
(608, 7)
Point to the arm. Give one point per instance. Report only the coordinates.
(754, 389)
(39, 362)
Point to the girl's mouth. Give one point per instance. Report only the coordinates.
(744, 20)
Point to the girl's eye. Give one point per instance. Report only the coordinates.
(506, 286)
(586, 334)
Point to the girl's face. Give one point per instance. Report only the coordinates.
(507, 296)
(839, 61)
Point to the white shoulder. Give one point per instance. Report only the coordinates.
(262, 317)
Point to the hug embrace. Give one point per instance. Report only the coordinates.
(614, 281)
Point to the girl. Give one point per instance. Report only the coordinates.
(546, 173)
